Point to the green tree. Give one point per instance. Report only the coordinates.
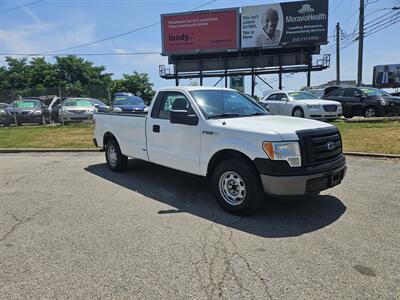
(17, 73)
(136, 83)
(42, 73)
(73, 69)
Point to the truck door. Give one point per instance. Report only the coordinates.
(172, 145)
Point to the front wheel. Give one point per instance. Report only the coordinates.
(116, 161)
(237, 186)
(298, 113)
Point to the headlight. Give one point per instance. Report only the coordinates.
(384, 102)
(289, 151)
(3, 112)
(37, 112)
(313, 106)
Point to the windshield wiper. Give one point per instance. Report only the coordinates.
(255, 114)
(225, 115)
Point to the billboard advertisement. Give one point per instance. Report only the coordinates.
(200, 31)
(387, 76)
(288, 24)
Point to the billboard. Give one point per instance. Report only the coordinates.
(387, 76)
(200, 31)
(286, 24)
(237, 83)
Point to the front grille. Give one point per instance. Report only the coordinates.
(319, 146)
(78, 112)
(330, 107)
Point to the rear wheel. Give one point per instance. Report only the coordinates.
(237, 186)
(370, 112)
(116, 161)
(298, 112)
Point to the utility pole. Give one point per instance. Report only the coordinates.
(360, 43)
(338, 54)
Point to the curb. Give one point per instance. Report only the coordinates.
(48, 150)
(364, 154)
(373, 120)
(71, 150)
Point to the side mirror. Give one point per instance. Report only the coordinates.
(285, 99)
(96, 105)
(183, 117)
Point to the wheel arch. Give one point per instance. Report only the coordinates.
(107, 137)
(226, 154)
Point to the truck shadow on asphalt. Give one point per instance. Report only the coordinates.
(187, 193)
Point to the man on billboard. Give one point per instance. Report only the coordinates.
(270, 35)
(385, 77)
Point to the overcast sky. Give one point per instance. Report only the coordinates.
(55, 24)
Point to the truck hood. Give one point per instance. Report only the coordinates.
(286, 127)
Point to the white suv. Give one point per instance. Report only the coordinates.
(302, 105)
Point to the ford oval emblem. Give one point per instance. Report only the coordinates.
(330, 146)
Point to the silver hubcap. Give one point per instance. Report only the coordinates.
(232, 188)
(297, 113)
(112, 155)
(370, 112)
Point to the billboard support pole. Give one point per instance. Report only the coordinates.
(226, 73)
(280, 72)
(265, 82)
(309, 70)
(252, 82)
(176, 74)
(201, 70)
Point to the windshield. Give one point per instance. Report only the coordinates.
(225, 104)
(128, 100)
(95, 101)
(302, 96)
(77, 102)
(26, 103)
(371, 92)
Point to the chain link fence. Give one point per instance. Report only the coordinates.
(100, 92)
(52, 97)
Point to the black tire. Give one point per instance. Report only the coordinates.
(370, 112)
(47, 120)
(348, 116)
(298, 110)
(6, 124)
(119, 162)
(253, 191)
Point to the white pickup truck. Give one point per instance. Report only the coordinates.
(225, 136)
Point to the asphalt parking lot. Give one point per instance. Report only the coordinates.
(69, 228)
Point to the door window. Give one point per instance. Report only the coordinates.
(336, 93)
(172, 101)
(272, 97)
(352, 93)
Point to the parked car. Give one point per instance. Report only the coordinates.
(302, 105)
(4, 119)
(28, 111)
(76, 110)
(100, 105)
(127, 102)
(365, 101)
(223, 135)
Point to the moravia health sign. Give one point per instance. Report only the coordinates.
(201, 31)
(288, 24)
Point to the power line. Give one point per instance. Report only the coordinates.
(80, 54)
(20, 6)
(121, 34)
